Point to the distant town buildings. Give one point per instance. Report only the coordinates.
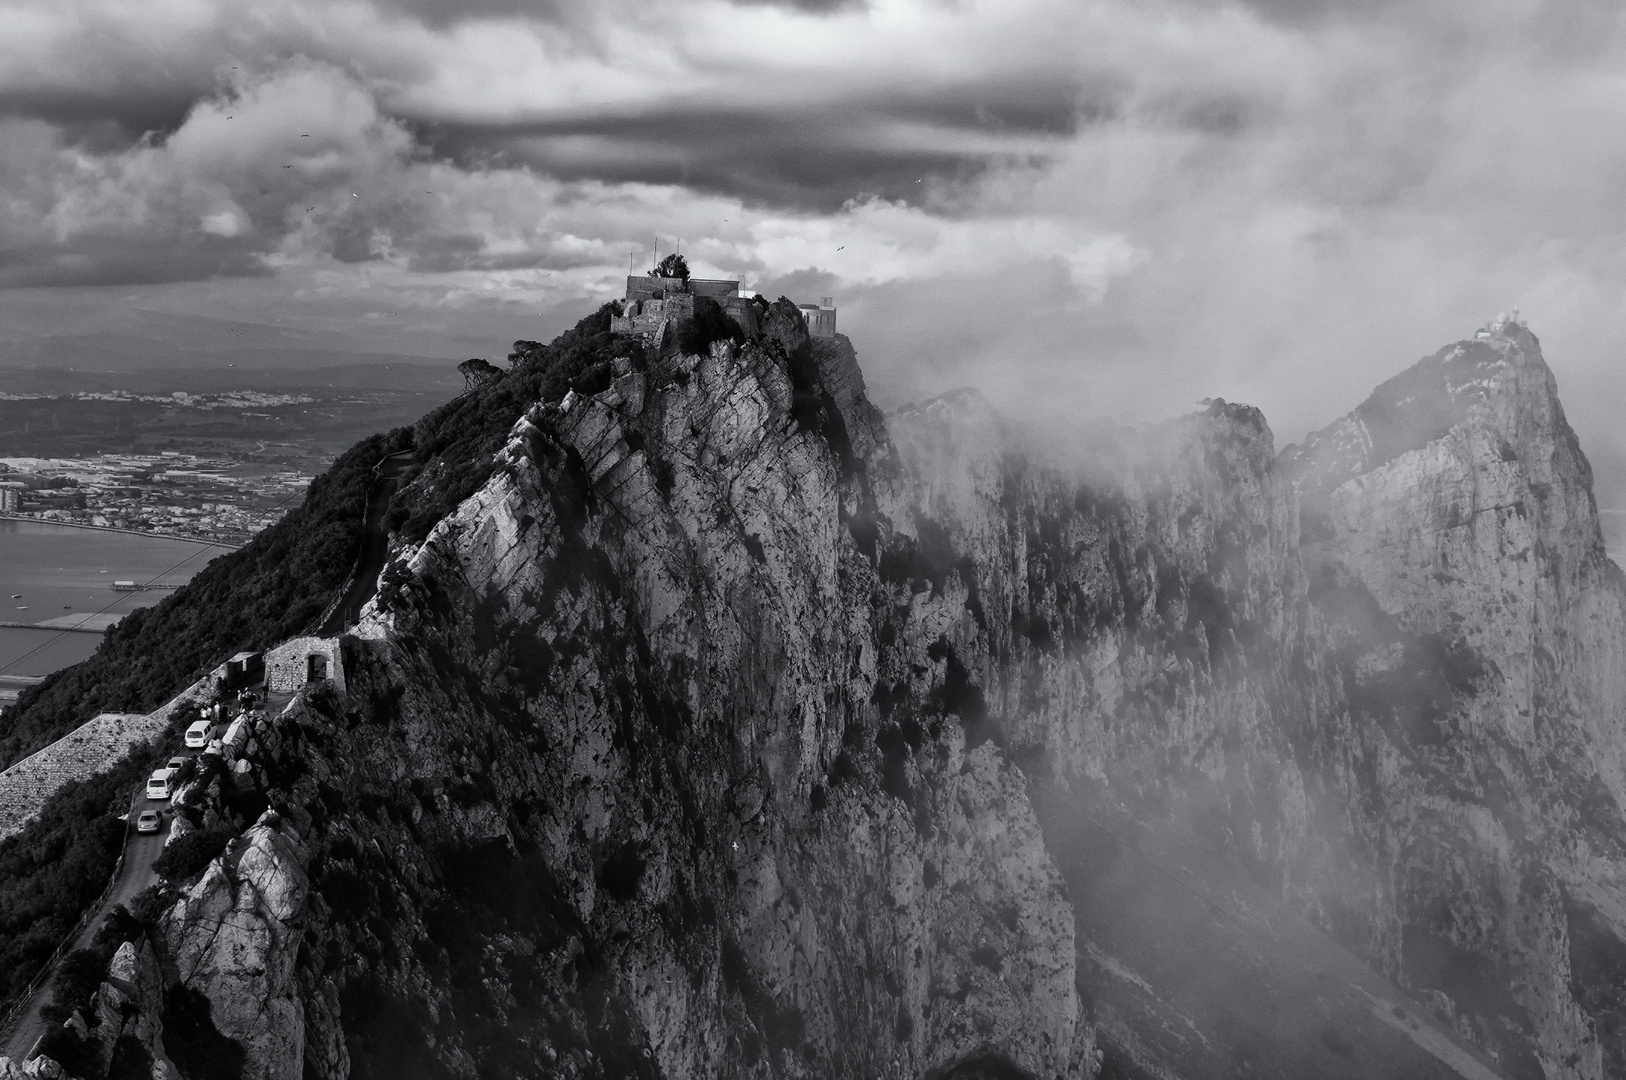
(170, 493)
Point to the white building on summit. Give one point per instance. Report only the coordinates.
(1500, 324)
(668, 293)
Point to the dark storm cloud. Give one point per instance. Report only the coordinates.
(1128, 204)
(102, 121)
(440, 14)
(815, 156)
(1309, 12)
(765, 160)
(113, 260)
(815, 7)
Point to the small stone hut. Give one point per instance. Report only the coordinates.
(302, 661)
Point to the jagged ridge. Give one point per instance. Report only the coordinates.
(729, 729)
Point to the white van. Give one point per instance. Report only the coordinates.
(158, 784)
(197, 736)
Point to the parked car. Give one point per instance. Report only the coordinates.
(158, 785)
(198, 735)
(149, 821)
(176, 764)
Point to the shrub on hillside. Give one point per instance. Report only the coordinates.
(246, 599)
(77, 977)
(148, 904)
(187, 855)
(58, 865)
(709, 323)
(71, 1050)
(131, 1060)
(119, 926)
(453, 447)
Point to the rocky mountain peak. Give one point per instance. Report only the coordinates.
(731, 728)
(1490, 400)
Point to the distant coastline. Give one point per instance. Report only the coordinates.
(7, 516)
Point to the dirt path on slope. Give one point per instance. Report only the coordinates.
(374, 546)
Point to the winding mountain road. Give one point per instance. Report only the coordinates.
(141, 850)
(135, 874)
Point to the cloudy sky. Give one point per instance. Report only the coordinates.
(1091, 209)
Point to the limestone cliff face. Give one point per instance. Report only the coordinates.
(734, 730)
(634, 687)
(234, 937)
(1456, 555)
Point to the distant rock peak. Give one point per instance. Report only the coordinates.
(1496, 380)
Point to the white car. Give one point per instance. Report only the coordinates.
(158, 786)
(197, 736)
(149, 821)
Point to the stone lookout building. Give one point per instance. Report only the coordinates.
(653, 299)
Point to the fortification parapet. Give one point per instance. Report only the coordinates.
(653, 300)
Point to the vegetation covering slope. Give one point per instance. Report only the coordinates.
(247, 599)
(280, 582)
(271, 589)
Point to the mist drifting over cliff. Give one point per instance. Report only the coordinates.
(708, 721)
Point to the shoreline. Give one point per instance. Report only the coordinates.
(8, 516)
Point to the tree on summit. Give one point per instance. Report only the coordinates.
(671, 266)
(477, 373)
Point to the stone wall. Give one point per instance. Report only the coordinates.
(644, 287)
(85, 751)
(744, 312)
(288, 666)
(648, 316)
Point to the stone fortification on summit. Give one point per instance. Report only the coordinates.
(654, 299)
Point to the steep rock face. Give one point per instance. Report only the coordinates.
(732, 730)
(128, 1006)
(1456, 555)
(786, 669)
(234, 936)
(631, 688)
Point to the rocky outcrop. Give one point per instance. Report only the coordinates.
(234, 937)
(764, 873)
(1455, 553)
(129, 1007)
(731, 729)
